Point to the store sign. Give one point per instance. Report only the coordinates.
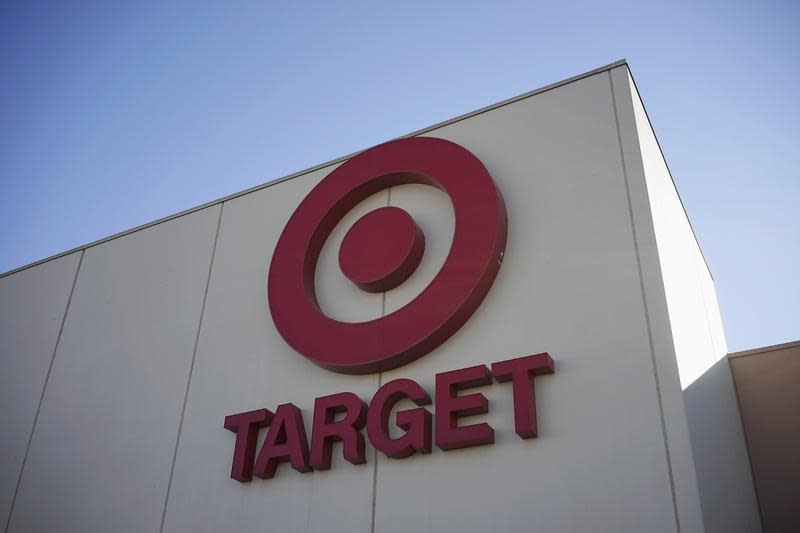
(382, 250)
(343, 417)
(379, 252)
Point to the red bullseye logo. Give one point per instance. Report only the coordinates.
(381, 251)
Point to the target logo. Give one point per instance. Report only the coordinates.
(382, 250)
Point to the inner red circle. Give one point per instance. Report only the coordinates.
(382, 249)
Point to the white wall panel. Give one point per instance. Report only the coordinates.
(32, 306)
(104, 442)
(694, 328)
(243, 364)
(568, 285)
(683, 479)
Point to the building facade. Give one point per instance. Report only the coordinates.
(125, 362)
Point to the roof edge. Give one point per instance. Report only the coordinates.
(765, 349)
(276, 181)
(669, 171)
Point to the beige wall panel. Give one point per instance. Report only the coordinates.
(769, 395)
(104, 442)
(32, 306)
(568, 285)
(243, 364)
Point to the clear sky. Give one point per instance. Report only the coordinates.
(113, 114)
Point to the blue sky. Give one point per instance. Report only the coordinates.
(114, 115)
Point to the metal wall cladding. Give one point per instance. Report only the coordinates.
(151, 313)
(32, 307)
(103, 446)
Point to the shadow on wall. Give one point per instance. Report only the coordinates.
(724, 477)
(767, 385)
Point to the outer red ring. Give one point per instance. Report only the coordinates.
(436, 313)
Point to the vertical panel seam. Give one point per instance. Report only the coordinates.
(380, 375)
(41, 397)
(375, 478)
(646, 309)
(191, 368)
